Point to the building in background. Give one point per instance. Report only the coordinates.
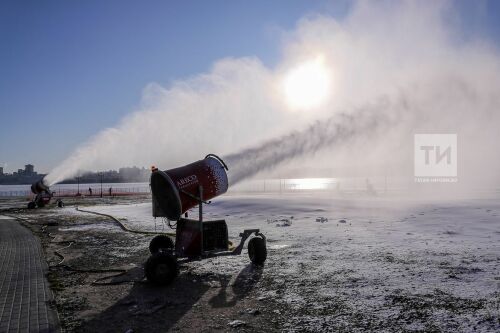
(28, 175)
(29, 169)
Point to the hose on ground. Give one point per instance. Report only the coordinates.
(123, 226)
(96, 282)
(119, 272)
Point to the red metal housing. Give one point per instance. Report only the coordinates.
(177, 190)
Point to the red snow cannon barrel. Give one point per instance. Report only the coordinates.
(39, 187)
(177, 190)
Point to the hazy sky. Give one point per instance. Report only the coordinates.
(69, 69)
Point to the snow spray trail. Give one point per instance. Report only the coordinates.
(381, 49)
(336, 130)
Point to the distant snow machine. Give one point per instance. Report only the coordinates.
(173, 193)
(43, 196)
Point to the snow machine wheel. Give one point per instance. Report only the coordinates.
(40, 203)
(161, 268)
(60, 204)
(257, 250)
(31, 205)
(160, 242)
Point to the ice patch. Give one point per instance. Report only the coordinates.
(278, 246)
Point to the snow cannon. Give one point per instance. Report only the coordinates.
(39, 187)
(42, 195)
(174, 193)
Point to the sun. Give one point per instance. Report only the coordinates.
(307, 85)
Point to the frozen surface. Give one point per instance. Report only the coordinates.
(368, 262)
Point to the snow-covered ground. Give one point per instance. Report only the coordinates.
(363, 263)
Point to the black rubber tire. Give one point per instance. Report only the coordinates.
(31, 205)
(160, 242)
(161, 268)
(257, 251)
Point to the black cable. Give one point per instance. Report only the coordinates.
(96, 282)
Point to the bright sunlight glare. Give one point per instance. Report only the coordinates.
(308, 85)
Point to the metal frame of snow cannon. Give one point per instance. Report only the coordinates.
(197, 240)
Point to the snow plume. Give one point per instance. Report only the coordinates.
(414, 54)
(339, 129)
